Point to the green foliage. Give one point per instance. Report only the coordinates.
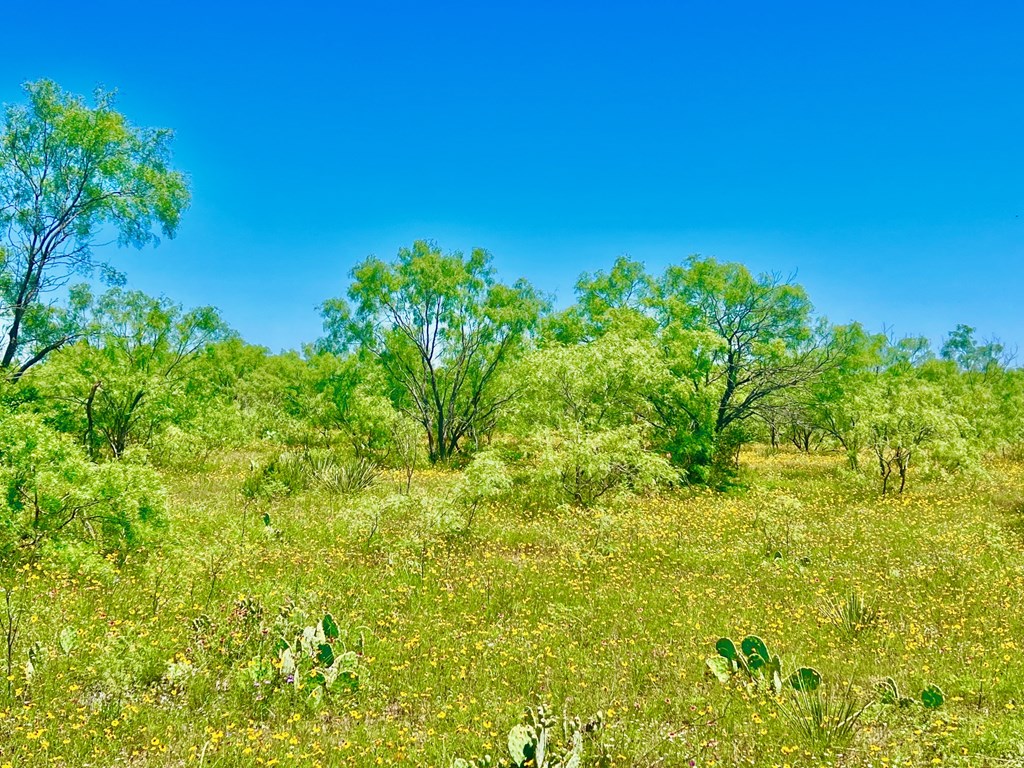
(932, 697)
(288, 473)
(779, 531)
(826, 719)
(759, 668)
(52, 494)
(442, 329)
(67, 639)
(341, 474)
(605, 300)
(214, 426)
(583, 421)
(131, 377)
(594, 606)
(892, 399)
(581, 468)
(720, 345)
(805, 679)
(69, 171)
(832, 402)
(851, 615)
(329, 401)
(961, 348)
(733, 340)
(646, 381)
(889, 693)
(601, 384)
(309, 662)
(485, 481)
(281, 475)
(907, 420)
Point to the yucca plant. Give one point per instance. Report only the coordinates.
(824, 719)
(345, 476)
(851, 615)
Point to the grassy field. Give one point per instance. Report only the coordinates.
(173, 658)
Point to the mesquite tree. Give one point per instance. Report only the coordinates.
(731, 341)
(129, 376)
(69, 172)
(442, 327)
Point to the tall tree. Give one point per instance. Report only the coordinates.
(963, 349)
(731, 343)
(442, 327)
(69, 172)
(767, 340)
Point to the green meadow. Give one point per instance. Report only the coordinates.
(168, 658)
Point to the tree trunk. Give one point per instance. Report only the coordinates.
(90, 436)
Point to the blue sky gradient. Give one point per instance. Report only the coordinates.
(874, 149)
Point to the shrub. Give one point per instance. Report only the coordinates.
(824, 719)
(53, 493)
(216, 427)
(583, 468)
(282, 475)
(483, 482)
(289, 473)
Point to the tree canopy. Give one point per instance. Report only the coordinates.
(69, 173)
(442, 328)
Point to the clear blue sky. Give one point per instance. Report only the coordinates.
(876, 149)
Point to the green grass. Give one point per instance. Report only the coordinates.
(614, 610)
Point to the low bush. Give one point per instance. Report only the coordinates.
(53, 494)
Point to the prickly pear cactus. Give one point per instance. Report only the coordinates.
(316, 662)
(773, 673)
(932, 697)
(889, 693)
(325, 655)
(752, 646)
(522, 745)
(806, 679)
(720, 668)
(330, 627)
(537, 742)
(727, 649)
(761, 667)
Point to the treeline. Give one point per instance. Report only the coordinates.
(647, 381)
